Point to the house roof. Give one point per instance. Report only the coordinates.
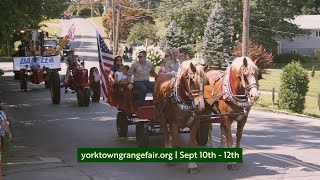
(307, 21)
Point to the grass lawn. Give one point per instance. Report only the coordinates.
(97, 21)
(52, 26)
(265, 102)
(5, 59)
(272, 80)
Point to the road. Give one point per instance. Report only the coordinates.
(276, 146)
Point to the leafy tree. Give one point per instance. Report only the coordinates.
(129, 17)
(269, 19)
(138, 34)
(256, 53)
(217, 43)
(190, 15)
(293, 88)
(174, 38)
(18, 14)
(311, 7)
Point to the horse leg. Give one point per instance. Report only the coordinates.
(223, 140)
(210, 143)
(240, 126)
(228, 133)
(192, 167)
(165, 135)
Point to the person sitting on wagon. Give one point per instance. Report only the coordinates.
(117, 62)
(141, 71)
(173, 64)
(121, 76)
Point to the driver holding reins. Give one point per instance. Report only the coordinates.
(141, 71)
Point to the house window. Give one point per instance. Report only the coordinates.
(317, 34)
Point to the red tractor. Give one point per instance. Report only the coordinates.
(35, 75)
(79, 80)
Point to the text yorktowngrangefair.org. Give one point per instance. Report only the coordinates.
(159, 154)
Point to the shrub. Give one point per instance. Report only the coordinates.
(1, 72)
(288, 57)
(312, 71)
(317, 52)
(293, 88)
(154, 54)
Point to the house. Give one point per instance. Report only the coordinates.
(304, 44)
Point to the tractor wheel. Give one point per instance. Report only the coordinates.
(142, 135)
(94, 85)
(83, 96)
(122, 124)
(202, 135)
(55, 87)
(23, 80)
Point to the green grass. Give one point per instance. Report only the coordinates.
(265, 102)
(5, 59)
(51, 26)
(97, 21)
(272, 80)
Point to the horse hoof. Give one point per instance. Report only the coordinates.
(232, 166)
(170, 164)
(193, 170)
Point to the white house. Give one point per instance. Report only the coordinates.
(305, 44)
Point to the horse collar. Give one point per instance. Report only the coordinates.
(229, 94)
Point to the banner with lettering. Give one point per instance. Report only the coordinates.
(52, 62)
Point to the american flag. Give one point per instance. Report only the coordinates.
(71, 31)
(105, 61)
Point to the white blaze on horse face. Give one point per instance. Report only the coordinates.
(199, 100)
(254, 92)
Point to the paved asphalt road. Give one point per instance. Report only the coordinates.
(276, 146)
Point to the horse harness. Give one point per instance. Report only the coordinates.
(227, 92)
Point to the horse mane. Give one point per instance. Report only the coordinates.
(237, 63)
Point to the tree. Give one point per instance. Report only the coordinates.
(217, 43)
(174, 38)
(256, 53)
(190, 15)
(129, 17)
(138, 34)
(311, 7)
(15, 15)
(269, 19)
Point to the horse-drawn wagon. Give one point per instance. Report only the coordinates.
(193, 99)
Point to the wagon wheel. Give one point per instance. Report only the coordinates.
(202, 135)
(122, 124)
(142, 135)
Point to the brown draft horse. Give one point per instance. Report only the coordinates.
(177, 99)
(232, 91)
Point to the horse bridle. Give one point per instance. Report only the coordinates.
(193, 93)
(244, 79)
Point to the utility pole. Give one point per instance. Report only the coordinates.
(78, 8)
(118, 26)
(113, 27)
(91, 8)
(245, 28)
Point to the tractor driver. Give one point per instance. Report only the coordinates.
(34, 63)
(141, 71)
